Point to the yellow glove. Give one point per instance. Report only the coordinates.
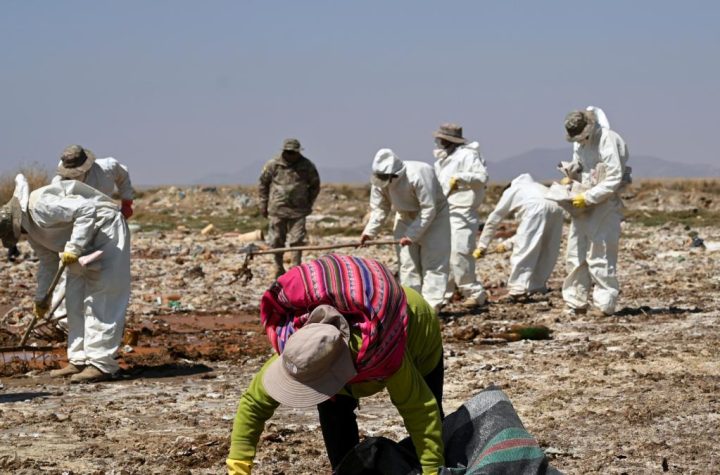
(68, 258)
(238, 467)
(453, 184)
(578, 201)
(501, 248)
(479, 252)
(566, 181)
(41, 309)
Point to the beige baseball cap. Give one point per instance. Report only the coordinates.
(316, 362)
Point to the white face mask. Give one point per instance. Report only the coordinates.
(440, 153)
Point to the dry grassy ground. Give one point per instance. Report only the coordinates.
(633, 393)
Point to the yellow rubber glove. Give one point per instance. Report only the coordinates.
(238, 467)
(68, 258)
(41, 309)
(479, 252)
(578, 201)
(566, 181)
(453, 184)
(501, 248)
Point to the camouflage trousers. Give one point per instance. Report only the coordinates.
(288, 232)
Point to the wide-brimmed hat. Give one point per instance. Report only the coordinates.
(315, 364)
(451, 133)
(75, 161)
(579, 125)
(10, 222)
(291, 145)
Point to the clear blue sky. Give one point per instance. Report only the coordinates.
(180, 89)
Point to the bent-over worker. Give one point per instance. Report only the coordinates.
(64, 221)
(536, 244)
(373, 335)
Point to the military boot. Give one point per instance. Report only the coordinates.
(90, 375)
(68, 370)
(476, 301)
(279, 267)
(296, 258)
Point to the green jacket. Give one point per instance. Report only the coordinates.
(408, 392)
(289, 190)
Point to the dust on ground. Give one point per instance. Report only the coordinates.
(634, 393)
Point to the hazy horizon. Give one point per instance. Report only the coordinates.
(178, 89)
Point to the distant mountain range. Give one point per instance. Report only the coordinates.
(540, 163)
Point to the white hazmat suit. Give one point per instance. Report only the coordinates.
(466, 167)
(73, 217)
(536, 244)
(594, 234)
(421, 215)
(105, 175)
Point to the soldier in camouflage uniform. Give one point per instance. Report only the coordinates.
(289, 184)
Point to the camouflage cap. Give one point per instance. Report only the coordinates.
(10, 222)
(291, 145)
(578, 125)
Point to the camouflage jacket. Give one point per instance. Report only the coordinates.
(289, 190)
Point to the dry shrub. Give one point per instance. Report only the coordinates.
(37, 176)
(705, 185)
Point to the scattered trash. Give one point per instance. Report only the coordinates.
(712, 246)
(256, 235)
(167, 299)
(696, 240)
(525, 332)
(242, 200)
(131, 337)
(209, 229)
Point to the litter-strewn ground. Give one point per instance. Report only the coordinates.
(635, 393)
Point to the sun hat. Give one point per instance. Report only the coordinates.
(579, 125)
(75, 161)
(451, 133)
(316, 362)
(10, 222)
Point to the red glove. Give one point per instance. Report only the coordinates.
(126, 208)
(405, 241)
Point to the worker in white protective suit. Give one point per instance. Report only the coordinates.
(599, 164)
(105, 175)
(536, 244)
(421, 222)
(64, 221)
(462, 173)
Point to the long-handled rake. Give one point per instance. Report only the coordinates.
(245, 273)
